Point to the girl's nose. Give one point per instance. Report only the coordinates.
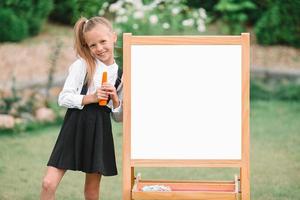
(99, 48)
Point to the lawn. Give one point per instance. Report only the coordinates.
(275, 160)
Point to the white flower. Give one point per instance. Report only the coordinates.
(138, 4)
(135, 26)
(152, 5)
(195, 14)
(121, 11)
(118, 19)
(101, 12)
(121, 19)
(115, 6)
(202, 13)
(201, 25)
(118, 30)
(105, 5)
(175, 11)
(188, 22)
(153, 19)
(166, 25)
(201, 28)
(124, 19)
(200, 21)
(138, 14)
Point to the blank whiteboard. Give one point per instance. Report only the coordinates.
(186, 101)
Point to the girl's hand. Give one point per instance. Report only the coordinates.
(112, 92)
(101, 93)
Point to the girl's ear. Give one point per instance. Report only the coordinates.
(115, 37)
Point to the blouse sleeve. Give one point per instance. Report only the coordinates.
(70, 96)
(117, 113)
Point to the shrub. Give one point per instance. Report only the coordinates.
(233, 15)
(255, 14)
(68, 11)
(259, 90)
(165, 17)
(39, 14)
(280, 24)
(20, 19)
(286, 90)
(207, 5)
(64, 12)
(12, 28)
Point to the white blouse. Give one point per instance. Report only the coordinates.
(70, 96)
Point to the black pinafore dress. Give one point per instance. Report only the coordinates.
(85, 142)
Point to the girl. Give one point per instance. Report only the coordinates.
(85, 142)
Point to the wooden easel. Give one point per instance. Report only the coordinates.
(187, 190)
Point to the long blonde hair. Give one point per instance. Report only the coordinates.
(82, 26)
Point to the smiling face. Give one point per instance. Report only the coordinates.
(100, 40)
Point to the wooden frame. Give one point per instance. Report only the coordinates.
(242, 164)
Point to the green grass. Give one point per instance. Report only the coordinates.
(275, 160)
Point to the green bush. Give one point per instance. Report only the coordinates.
(20, 19)
(39, 14)
(280, 24)
(167, 17)
(68, 11)
(65, 12)
(259, 90)
(12, 28)
(255, 14)
(262, 90)
(288, 92)
(207, 5)
(233, 15)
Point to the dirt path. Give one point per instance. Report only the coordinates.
(30, 59)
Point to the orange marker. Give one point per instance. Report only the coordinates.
(104, 80)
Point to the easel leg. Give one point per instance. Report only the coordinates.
(132, 176)
(245, 183)
(127, 176)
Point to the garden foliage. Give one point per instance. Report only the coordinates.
(280, 24)
(157, 17)
(68, 11)
(233, 15)
(20, 19)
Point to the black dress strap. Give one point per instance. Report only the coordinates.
(118, 81)
(84, 87)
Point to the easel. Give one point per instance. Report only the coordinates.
(239, 188)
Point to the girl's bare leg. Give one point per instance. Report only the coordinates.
(92, 186)
(50, 182)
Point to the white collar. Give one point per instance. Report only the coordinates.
(101, 63)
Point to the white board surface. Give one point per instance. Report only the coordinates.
(186, 101)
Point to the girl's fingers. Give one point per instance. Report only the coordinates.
(107, 86)
(102, 97)
(108, 89)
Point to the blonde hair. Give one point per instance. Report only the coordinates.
(82, 50)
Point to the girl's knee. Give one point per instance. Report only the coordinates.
(91, 194)
(48, 185)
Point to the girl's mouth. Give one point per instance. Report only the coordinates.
(102, 54)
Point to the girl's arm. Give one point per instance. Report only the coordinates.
(116, 97)
(90, 98)
(70, 96)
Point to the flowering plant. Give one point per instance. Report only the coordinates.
(158, 17)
